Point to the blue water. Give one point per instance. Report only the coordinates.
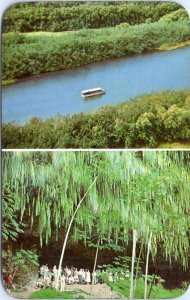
(123, 78)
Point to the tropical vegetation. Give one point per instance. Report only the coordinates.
(145, 121)
(85, 33)
(25, 55)
(134, 199)
(45, 37)
(60, 16)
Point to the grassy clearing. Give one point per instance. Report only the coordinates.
(53, 294)
(162, 293)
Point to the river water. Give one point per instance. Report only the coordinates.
(123, 78)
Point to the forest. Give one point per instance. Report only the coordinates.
(55, 17)
(129, 209)
(128, 28)
(146, 121)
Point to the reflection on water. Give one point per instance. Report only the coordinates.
(60, 92)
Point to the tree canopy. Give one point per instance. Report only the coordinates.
(146, 191)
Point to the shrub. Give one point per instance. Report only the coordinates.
(123, 25)
(178, 15)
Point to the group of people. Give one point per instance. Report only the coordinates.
(51, 278)
(68, 276)
(113, 277)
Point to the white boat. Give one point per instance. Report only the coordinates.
(92, 92)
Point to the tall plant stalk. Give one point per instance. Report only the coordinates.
(138, 262)
(68, 231)
(133, 263)
(146, 271)
(95, 261)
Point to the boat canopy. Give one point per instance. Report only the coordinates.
(98, 89)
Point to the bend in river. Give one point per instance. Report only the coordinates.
(59, 93)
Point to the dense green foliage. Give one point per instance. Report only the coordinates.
(24, 54)
(178, 15)
(143, 121)
(122, 287)
(22, 264)
(11, 227)
(121, 283)
(73, 16)
(53, 294)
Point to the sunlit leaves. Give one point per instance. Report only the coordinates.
(144, 191)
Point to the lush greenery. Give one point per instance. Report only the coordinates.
(139, 200)
(122, 287)
(121, 284)
(177, 145)
(22, 263)
(144, 121)
(11, 227)
(177, 15)
(53, 294)
(73, 16)
(25, 55)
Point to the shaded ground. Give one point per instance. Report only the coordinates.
(93, 291)
(23, 295)
(88, 291)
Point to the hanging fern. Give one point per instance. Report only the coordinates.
(144, 191)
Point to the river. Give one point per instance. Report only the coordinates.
(59, 93)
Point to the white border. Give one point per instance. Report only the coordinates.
(4, 4)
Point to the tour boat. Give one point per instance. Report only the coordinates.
(92, 92)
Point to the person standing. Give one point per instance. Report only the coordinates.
(80, 276)
(55, 272)
(87, 277)
(110, 277)
(9, 282)
(83, 276)
(62, 283)
(76, 276)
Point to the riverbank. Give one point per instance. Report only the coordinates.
(145, 121)
(8, 82)
(33, 54)
(162, 48)
(167, 47)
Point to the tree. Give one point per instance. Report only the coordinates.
(130, 192)
(11, 226)
(21, 264)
